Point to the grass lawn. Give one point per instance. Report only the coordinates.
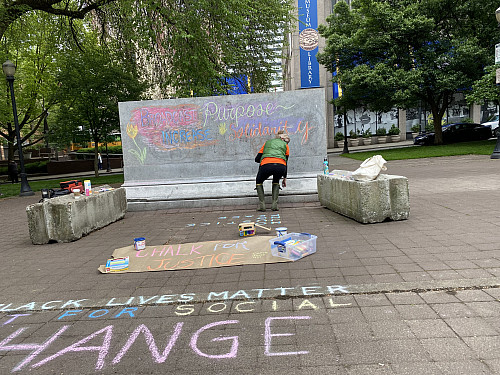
(10, 190)
(417, 152)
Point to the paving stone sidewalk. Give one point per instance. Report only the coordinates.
(419, 296)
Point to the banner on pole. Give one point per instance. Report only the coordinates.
(308, 43)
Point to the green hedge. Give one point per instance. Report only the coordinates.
(102, 150)
(30, 168)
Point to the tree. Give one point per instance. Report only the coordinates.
(92, 84)
(423, 50)
(185, 47)
(13, 10)
(32, 45)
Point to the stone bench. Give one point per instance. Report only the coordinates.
(375, 201)
(66, 218)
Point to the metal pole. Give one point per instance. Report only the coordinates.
(496, 151)
(108, 169)
(25, 187)
(346, 149)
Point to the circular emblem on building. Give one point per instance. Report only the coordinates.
(308, 39)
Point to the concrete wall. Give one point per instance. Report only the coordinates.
(66, 218)
(189, 152)
(386, 197)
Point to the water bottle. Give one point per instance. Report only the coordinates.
(325, 166)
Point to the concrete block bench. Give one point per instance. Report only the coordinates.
(375, 201)
(66, 219)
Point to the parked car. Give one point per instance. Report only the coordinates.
(493, 124)
(459, 132)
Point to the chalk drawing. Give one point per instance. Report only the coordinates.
(151, 343)
(268, 336)
(260, 219)
(109, 336)
(256, 293)
(140, 153)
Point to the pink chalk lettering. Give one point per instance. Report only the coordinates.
(234, 347)
(76, 347)
(268, 335)
(14, 317)
(36, 348)
(193, 249)
(151, 343)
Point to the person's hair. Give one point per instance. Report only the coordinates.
(283, 136)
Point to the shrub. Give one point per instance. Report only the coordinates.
(339, 136)
(381, 131)
(394, 130)
(36, 167)
(415, 128)
(353, 134)
(367, 133)
(102, 150)
(429, 127)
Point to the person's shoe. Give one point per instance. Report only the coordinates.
(276, 193)
(260, 193)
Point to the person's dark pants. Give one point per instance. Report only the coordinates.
(276, 170)
(14, 178)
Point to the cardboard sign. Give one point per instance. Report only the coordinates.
(248, 250)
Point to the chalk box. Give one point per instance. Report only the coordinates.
(293, 245)
(117, 264)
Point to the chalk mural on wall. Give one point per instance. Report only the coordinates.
(160, 132)
(188, 126)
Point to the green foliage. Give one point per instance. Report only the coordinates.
(418, 152)
(394, 130)
(31, 168)
(94, 82)
(102, 149)
(354, 134)
(399, 52)
(31, 43)
(415, 128)
(339, 136)
(485, 88)
(467, 120)
(381, 131)
(367, 133)
(36, 167)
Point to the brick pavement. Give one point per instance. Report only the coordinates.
(418, 296)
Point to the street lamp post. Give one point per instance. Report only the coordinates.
(346, 148)
(9, 69)
(496, 151)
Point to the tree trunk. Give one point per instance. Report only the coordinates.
(437, 116)
(96, 152)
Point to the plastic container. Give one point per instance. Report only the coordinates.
(293, 245)
(139, 243)
(88, 187)
(281, 231)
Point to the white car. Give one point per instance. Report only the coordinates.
(493, 124)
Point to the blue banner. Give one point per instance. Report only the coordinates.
(337, 90)
(308, 42)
